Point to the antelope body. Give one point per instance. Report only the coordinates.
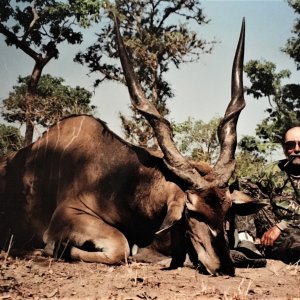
(83, 190)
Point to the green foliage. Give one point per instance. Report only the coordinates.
(248, 165)
(197, 139)
(44, 24)
(264, 79)
(251, 144)
(37, 28)
(85, 12)
(292, 47)
(10, 139)
(53, 101)
(251, 158)
(157, 35)
(284, 100)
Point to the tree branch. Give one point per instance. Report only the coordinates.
(169, 11)
(34, 20)
(19, 44)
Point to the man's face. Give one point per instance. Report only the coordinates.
(292, 145)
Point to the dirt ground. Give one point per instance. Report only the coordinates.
(36, 277)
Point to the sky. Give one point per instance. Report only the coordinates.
(202, 89)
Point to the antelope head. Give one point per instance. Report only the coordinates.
(208, 198)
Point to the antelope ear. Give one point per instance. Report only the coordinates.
(174, 214)
(166, 226)
(239, 197)
(244, 205)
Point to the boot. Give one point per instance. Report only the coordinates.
(246, 255)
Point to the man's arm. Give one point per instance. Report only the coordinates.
(287, 209)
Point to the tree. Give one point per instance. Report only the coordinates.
(157, 35)
(284, 99)
(37, 27)
(10, 139)
(197, 139)
(52, 101)
(292, 47)
(252, 156)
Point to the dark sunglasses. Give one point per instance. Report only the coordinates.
(290, 145)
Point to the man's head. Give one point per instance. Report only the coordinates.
(291, 145)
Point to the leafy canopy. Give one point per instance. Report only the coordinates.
(10, 139)
(267, 82)
(157, 35)
(53, 101)
(292, 47)
(198, 140)
(284, 99)
(37, 28)
(44, 24)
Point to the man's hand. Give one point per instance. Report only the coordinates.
(270, 236)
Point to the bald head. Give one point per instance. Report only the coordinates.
(291, 144)
(292, 134)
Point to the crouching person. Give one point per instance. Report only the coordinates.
(274, 229)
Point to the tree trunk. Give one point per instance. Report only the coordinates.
(28, 132)
(32, 85)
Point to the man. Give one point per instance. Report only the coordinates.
(277, 226)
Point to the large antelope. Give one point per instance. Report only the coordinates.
(83, 189)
